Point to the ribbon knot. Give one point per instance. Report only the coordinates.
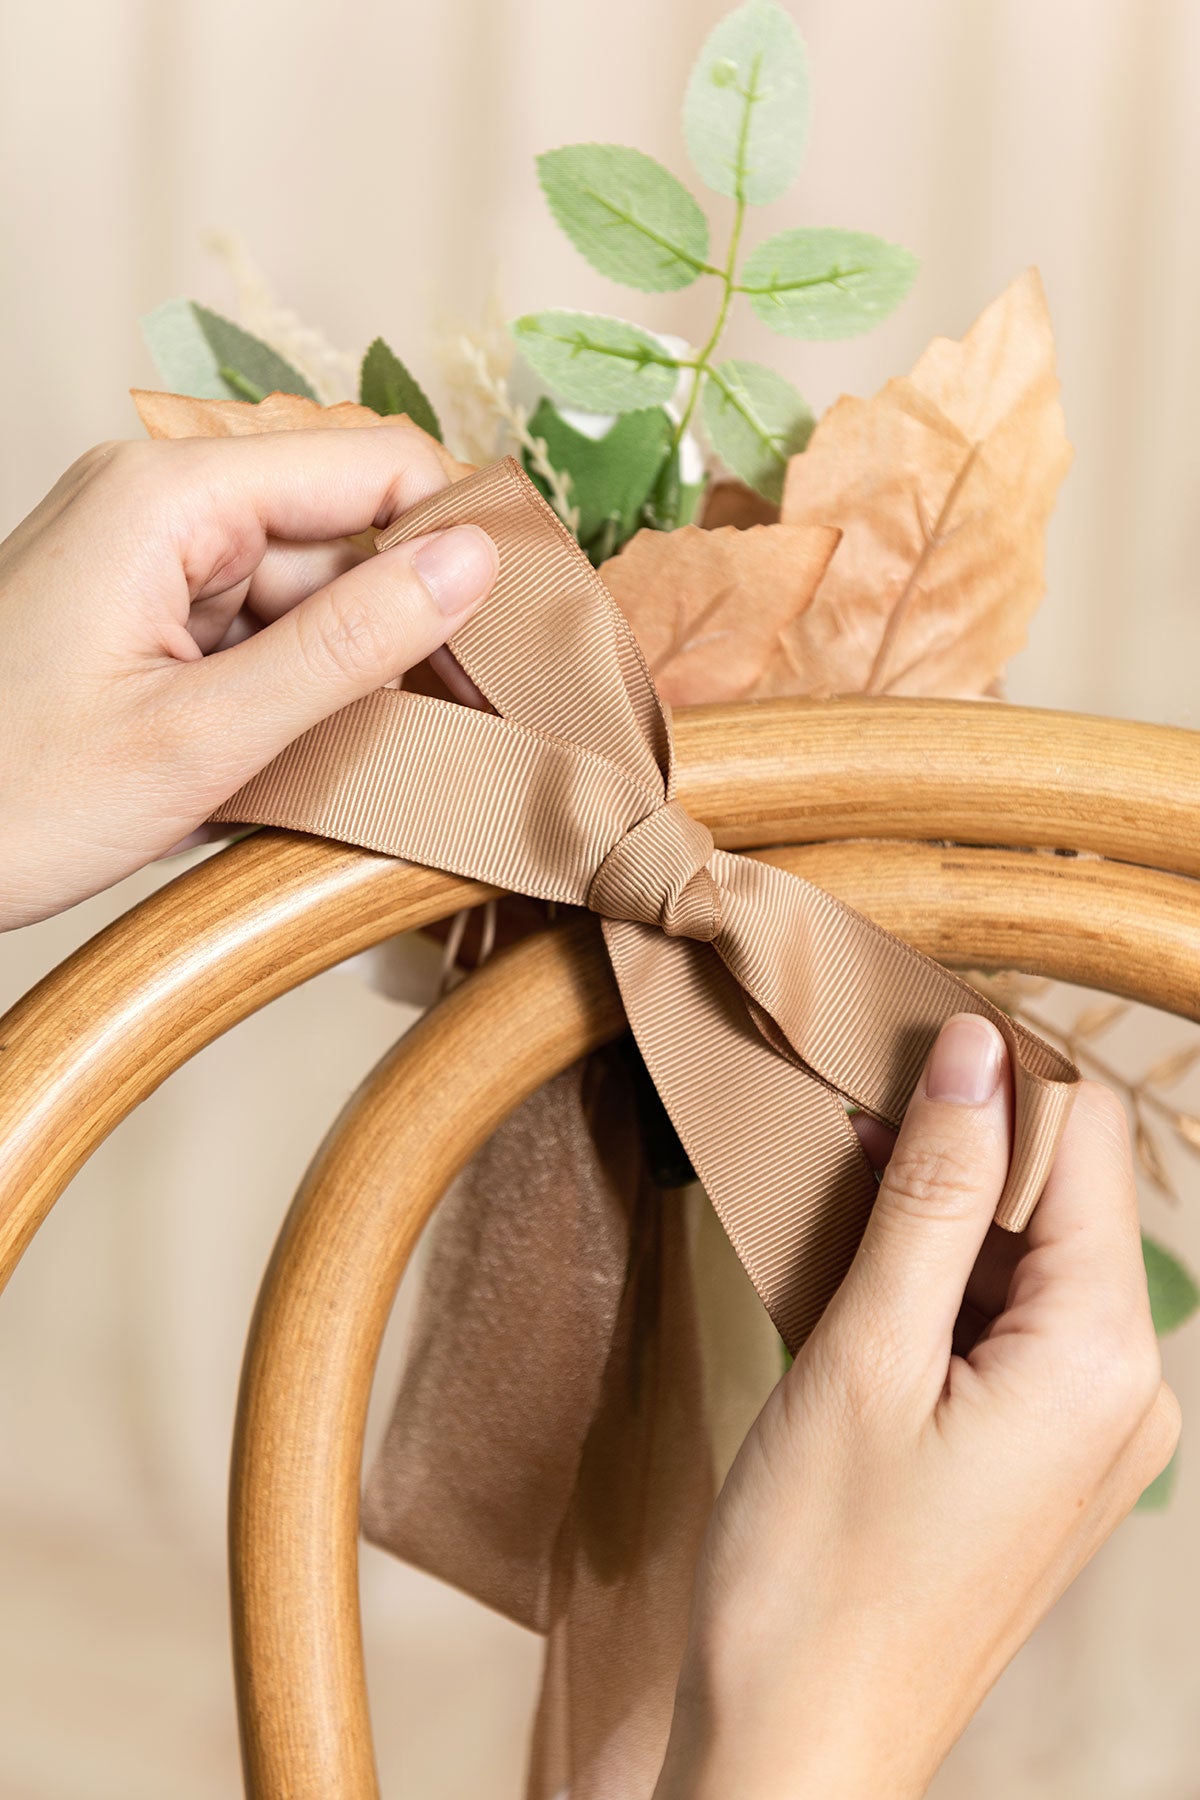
(658, 874)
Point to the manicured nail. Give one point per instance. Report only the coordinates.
(457, 566)
(965, 1063)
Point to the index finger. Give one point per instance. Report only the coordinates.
(1084, 1244)
(306, 485)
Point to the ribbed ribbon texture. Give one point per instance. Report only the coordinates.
(759, 1002)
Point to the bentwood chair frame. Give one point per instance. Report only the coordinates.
(896, 806)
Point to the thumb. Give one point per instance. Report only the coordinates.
(348, 639)
(936, 1199)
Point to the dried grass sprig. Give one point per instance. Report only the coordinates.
(333, 373)
(473, 357)
(1149, 1110)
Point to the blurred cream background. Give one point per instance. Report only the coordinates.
(377, 160)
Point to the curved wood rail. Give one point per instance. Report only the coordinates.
(426, 1108)
(797, 772)
(1079, 919)
(247, 925)
(105, 1029)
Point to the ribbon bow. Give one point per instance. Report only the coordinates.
(759, 1002)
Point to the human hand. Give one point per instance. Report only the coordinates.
(173, 614)
(970, 1420)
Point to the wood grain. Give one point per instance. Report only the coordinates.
(418, 1118)
(791, 772)
(105, 1029)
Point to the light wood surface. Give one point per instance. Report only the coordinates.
(101, 1032)
(975, 772)
(421, 1114)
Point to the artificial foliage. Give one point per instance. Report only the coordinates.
(896, 545)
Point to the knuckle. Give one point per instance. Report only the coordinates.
(924, 1179)
(420, 470)
(1167, 1422)
(1113, 1380)
(1153, 1446)
(344, 637)
(114, 458)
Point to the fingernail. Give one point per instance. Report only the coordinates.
(964, 1065)
(458, 567)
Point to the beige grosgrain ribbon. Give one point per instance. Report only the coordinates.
(757, 1000)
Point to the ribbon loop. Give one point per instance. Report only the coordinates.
(657, 874)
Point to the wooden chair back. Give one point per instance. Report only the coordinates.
(896, 806)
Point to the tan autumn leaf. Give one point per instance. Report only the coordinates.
(1188, 1128)
(941, 486)
(1151, 1158)
(709, 607)
(183, 416)
(733, 503)
(1095, 1019)
(1172, 1068)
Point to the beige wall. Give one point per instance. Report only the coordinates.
(377, 158)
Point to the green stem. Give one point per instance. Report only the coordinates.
(703, 360)
(701, 363)
(241, 384)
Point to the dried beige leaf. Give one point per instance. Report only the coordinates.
(1188, 1129)
(183, 416)
(941, 486)
(1151, 1159)
(709, 607)
(733, 503)
(1095, 1019)
(1172, 1068)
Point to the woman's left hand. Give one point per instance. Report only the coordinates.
(173, 614)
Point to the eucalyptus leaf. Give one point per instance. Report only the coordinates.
(612, 476)
(756, 420)
(597, 362)
(628, 215)
(826, 283)
(745, 113)
(1174, 1295)
(197, 352)
(1158, 1494)
(387, 387)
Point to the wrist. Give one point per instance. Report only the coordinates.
(771, 1728)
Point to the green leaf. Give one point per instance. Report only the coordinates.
(611, 476)
(627, 214)
(756, 420)
(387, 387)
(826, 284)
(1158, 1494)
(198, 352)
(597, 362)
(1174, 1295)
(745, 114)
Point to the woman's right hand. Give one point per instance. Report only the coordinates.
(971, 1419)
